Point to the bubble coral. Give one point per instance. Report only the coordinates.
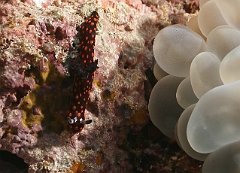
(217, 117)
(206, 54)
(180, 130)
(229, 68)
(229, 163)
(176, 62)
(165, 112)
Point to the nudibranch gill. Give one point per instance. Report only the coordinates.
(84, 74)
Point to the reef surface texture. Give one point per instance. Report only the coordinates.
(37, 40)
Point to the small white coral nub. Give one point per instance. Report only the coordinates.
(39, 3)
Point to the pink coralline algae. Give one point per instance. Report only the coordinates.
(37, 43)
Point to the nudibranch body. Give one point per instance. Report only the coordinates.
(84, 74)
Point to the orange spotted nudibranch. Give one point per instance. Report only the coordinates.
(83, 77)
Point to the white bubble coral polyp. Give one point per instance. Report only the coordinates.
(204, 78)
(229, 68)
(170, 47)
(204, 73)
(165, 112)
(217, 114)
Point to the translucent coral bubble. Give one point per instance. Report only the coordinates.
(174, 48)
(158, 72)
(204, 73)
(223, 160)
(193, 24)
(230, 11)
(163, 107)
(215, 119)
(201, 2)
(185, 95)
(181, 129)
(229, 67)
(210, 17)
(222, 40)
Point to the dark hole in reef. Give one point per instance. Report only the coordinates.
(150, 77)
(12, 163)
(93, 108)
(127, 65)
(149, 83)
(123, 110)
(106, 94)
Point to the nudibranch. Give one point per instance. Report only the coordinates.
(84, 74)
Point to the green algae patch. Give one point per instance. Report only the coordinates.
(28, 105)
(139, 116)
(10, 131)
(107, 94)
(46, 104)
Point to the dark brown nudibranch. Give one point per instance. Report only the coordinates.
(83, 78)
